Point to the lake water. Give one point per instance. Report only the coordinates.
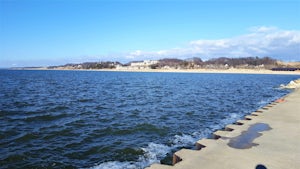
(88, 119)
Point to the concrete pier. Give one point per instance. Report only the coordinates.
(268, 138)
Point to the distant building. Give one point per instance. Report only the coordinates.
(143, 64)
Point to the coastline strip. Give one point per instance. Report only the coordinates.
(225, 71)
(271, 136)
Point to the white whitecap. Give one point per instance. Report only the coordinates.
(153, 153)
(115, 165)
(183, 140)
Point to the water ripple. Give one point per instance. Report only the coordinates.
(73, 119)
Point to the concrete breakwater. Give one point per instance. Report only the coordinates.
(267, 138)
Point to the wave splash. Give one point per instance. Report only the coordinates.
(154, 152)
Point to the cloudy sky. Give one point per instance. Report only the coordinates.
(43, 33)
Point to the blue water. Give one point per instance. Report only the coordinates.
(87, 119)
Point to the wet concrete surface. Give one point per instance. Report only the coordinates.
(245, 140)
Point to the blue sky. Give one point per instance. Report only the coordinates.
(41, 33)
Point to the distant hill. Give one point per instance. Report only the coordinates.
(191, 63)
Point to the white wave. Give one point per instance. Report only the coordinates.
(153, 153)
(262, 102)
(183, 140)
(115, 165)
(233, 117)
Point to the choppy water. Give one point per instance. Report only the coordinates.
(86, 119)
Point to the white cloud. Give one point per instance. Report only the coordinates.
(263, 29)
(259, 41)
(136, 53)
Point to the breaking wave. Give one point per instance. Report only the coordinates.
(154, 152)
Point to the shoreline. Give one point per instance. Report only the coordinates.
(224, 71)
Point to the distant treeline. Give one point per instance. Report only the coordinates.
(217, 63)
(90, 65)
(192, 63)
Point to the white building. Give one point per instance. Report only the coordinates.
(144, 63)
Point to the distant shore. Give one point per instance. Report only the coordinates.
(230, 71)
